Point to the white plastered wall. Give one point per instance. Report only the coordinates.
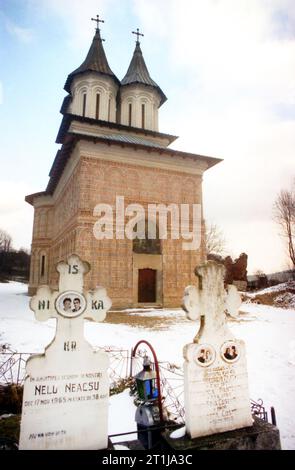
(92, 84)
(137, 96)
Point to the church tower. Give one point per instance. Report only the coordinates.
(140, 96)
(111, 150)
(93, 87)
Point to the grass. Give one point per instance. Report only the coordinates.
(144, 320)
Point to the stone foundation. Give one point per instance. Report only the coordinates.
(260, 436)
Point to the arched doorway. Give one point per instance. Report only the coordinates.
(147, 267)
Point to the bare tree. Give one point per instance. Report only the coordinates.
(259, 273)
(284, 215)
(215, 241)
(5, 241)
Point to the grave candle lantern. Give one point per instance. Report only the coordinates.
(147, 414)
(146, 382)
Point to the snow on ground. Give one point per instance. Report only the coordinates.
(178, 433)
(276, 288)
(155, 313)
(270, 290)
(285, 299)
(122, 417)
(281, 295)
(269, 334)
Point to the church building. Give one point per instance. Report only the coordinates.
(111, 147)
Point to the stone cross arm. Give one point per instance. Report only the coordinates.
(98, 303)
(43, 303)
(209, 298)
(71, 301)
(191, 302)
(71, 273)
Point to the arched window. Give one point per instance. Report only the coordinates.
(143, 116)
(42, 267)
(84, 104)
(109, 110)
(130, 114)
(97, 106)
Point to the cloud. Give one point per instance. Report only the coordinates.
(234, 102)
(24, 35)
(76, 15)
(229, 70)
(226, 45)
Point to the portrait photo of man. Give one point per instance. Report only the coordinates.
(77, 304)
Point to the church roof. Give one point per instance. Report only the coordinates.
(129, 139)
(68, 118)
(95, 61)
(138, 73)
(65, 152)
(65, 104)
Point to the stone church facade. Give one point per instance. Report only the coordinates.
(111, 146)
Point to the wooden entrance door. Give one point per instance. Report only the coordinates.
(147, 285)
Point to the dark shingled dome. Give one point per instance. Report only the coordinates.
(138, 73)
(95, 61)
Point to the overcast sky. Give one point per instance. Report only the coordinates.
(227, 68)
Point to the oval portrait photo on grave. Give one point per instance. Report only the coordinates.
(70, 304)
(230, 351)
(205, 355)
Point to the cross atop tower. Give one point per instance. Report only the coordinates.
(97, 20)
(137, 34)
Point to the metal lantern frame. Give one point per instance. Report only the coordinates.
(159, 398)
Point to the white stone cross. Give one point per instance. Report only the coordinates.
(211, 301)
(216, 394)
(71, 302)
(66, 390)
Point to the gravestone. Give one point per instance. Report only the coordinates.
(215, 372)
(66, 390)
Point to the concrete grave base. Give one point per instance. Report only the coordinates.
(260, 436)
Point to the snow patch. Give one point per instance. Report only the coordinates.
(178, 433)
(277, 288)
(269, 334)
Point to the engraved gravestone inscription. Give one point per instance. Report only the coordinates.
(215, 371)
(66, 390)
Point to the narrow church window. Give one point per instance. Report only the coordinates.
(109, 110)
(130, 114)
(84, 105)
(42, 265)
(97, 106)
(143, 116)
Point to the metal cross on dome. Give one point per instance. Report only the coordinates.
(97, 20)
(137, 34)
